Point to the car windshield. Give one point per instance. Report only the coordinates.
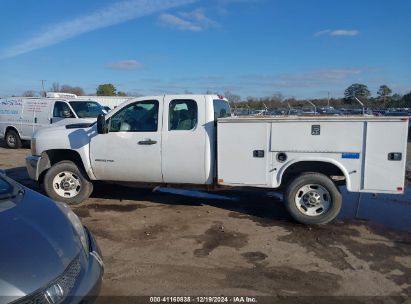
(5, 188)
(87, 109)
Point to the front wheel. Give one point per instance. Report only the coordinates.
(65, 182)
(313, 199)
(13, 140)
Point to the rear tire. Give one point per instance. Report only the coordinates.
(313, 199)
(67, 183)
(13, 140)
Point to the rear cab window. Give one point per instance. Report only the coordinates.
(183, 115)
(221, 109)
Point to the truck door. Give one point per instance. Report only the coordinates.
(131, 151)
(184, 140)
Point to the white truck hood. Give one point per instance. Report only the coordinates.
(74, 137)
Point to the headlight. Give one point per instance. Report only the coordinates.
(33, 147)
(77, 225)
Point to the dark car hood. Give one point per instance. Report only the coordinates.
(37, 242)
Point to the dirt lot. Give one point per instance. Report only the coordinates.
(234, 243)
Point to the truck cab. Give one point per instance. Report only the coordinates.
(155, 139)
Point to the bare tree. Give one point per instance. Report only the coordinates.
(28, 93)
(73, 90)
(55, 87)
(232, 97)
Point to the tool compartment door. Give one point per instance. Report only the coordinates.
(385, 156)
(242, 150)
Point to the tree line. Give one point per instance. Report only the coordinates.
(384, 98)
(106, 89)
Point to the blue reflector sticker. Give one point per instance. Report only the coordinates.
(351, 155)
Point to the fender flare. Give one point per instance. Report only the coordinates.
(315, 159)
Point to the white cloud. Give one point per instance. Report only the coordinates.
(195, 20)
(345, 33)
(125, 65)
(179, 23)
(110, 15)
(339, 32)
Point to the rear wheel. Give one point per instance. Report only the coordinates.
(67, 183)
(313, 198)
(13, 140)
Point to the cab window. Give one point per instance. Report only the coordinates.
(221, 109)
(141, 116)
(183, 115)
(62, 110)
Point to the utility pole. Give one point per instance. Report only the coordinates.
(42, 85)
(328, 103)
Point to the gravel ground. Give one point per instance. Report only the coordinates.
(235, 243)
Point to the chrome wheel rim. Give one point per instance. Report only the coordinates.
(67, 184)
(313, 200)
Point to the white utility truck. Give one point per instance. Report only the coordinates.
(20, 117)
(184, 140)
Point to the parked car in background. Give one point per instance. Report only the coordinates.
(46, 255)
(399, 114)
(20, 117)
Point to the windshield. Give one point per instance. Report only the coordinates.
(87, 109)
(5, 187)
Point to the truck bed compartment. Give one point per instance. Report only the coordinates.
(370, 151)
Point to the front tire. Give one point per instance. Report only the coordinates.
(313, 199)
(13, 140)
(65, 182)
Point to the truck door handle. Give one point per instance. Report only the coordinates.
(147, 142)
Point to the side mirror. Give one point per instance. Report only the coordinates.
(101, 124)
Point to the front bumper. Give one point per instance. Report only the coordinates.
(81, 280)
(88, 284)
(32, 165)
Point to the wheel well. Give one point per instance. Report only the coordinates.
(325, 168)
(11, 128)
(55, 156)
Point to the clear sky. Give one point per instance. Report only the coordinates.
(301, 48)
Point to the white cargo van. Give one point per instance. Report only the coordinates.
(20, 117)
(191, 140)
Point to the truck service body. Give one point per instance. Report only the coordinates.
(191, 139)
(20, 117)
